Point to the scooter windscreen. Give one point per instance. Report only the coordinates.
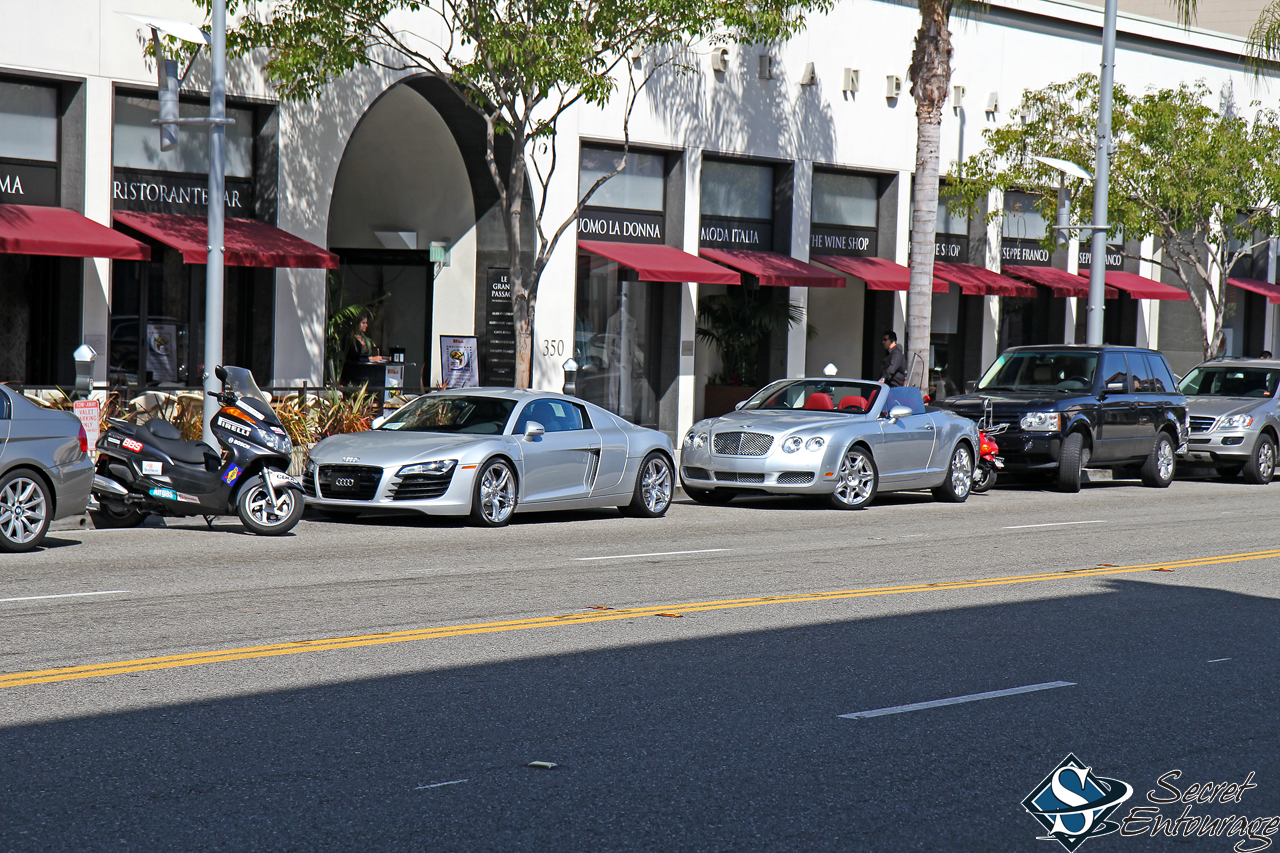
(240, 382)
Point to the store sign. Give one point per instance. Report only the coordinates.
(499, 344)
(176, 192)
(458, 361)
(1115, 257)
(620, 226)
(25, 183)
(1027, 253)
(842, 240)
(719, 233)
(952, 248)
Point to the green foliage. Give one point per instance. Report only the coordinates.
(737, 323)
(1203, 182)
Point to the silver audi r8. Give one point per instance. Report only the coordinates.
(846, 439)
(492, 452)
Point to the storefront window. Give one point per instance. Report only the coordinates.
(28, 122)
(137, 141)
(737, 190)
(639, 186)
(840, 199)
(1022, 221)
(617, 336)
(40, 299)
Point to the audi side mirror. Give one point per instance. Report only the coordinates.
(533, 429)
(899, 412)
(379, 421)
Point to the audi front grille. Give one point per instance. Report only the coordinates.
(349, 482)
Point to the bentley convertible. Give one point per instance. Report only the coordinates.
(489, 453)
(846, 439)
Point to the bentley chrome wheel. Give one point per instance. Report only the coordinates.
(23, 511)
(856, 480)
(961, 471)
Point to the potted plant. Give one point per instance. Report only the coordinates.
(738, 323)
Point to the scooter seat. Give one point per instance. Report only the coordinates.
(164, 436)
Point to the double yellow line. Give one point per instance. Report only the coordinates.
(98, 670)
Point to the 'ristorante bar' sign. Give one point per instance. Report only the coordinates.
(176, 192)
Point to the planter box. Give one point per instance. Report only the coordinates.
(718, 400)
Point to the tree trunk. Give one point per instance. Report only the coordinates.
(930, 78)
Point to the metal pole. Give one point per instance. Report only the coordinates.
(1101, 180)
(217, 183)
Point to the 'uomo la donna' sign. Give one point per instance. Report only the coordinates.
(622, 226)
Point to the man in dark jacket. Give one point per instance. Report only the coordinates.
(893, 370)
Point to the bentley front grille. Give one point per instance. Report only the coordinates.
(349, 482)
(795, 478)
(696, 473)
(741, 443)
(738, 477)
(1199, 423)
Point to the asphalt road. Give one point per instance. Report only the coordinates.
(383, 685)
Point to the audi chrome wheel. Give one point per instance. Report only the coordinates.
(266, 517)
(24, 512)
(495, 495)
(655, 484)
(856, 480)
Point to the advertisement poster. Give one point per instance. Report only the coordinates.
(162, 352)
(458, 367)
(89, 412)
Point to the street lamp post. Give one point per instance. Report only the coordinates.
(1101, 182)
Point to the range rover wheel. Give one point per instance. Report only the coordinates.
(1261, 466)
(955, 489)
(713, 497)
(1157, 471)
(857, 481)
(1070, 461)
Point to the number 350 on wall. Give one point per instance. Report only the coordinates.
(553, 346)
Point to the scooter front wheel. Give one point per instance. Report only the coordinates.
(984, 478)
(263, 517)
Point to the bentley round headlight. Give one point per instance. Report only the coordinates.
(688, 438)
(700, 440)
(1236, 422)
(815, 443)
(791, 445)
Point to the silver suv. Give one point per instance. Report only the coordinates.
(1231, 406)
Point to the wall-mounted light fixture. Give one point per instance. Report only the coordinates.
(993, 102)
(850, 80)
(766, 67)
(957, 98)
(720, 59)
(809, 76)
(892, 86)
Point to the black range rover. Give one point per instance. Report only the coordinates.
(1071, 407)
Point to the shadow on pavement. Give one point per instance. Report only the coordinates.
(729, 743)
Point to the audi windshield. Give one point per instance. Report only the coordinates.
(460, 413)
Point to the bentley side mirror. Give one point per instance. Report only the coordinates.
(532, 430)
(899, 412)
(739, 405)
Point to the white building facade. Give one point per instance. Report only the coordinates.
(785, 171)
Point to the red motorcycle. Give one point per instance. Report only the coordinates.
(989, 461)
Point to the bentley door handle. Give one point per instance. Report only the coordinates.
(929, 427)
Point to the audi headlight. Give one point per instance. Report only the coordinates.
(1236, 422)
(1041, 422)
(791, 445)
(815, 443)
(309, 468)
(440, 466)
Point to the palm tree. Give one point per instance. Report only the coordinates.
(930, 75)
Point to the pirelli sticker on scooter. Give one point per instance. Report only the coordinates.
(233, 474)
(132, 444)
(233, 426)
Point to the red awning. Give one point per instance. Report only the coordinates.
(656, 262)
(29, 230)
(1140, 287)
(976, 281)
(774, 269)
(248, 242)
(1253, 285)
(1061, 282)
(878, 273)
